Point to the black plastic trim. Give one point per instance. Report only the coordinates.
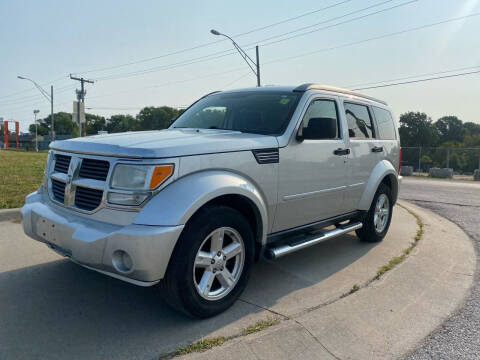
(267, 156)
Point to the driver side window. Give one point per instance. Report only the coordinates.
(320, 121)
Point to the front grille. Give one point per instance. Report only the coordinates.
(58, 188)
(62, 162)
(94, 169)
(88, 199)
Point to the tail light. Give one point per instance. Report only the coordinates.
(399, 159)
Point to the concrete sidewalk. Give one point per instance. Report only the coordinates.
(52, 308)
(383, 320)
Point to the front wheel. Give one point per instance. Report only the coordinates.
(211, 263)
(378, 218)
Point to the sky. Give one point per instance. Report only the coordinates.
(140, 52)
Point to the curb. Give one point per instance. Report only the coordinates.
(384, 320)
(10, 214)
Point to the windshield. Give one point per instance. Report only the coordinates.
(252, 111)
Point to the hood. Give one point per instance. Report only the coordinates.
(166, 143)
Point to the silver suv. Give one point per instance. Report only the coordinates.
(240, 175)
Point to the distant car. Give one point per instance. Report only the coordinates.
(240, 175)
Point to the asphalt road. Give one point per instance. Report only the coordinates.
(458, 337)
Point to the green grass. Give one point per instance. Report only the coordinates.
(209, 343)
(259, 326)
(354, 289)
(201, 345)
(20, 174)
(399, 259)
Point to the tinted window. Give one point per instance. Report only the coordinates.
(320, 120)
(385, 124)
(251, 111)
(359, 121)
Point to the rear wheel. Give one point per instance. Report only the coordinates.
(211, 263)
(377, 220)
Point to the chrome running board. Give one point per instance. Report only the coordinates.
(276, 252)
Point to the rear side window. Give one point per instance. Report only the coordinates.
(359, 121)
(385, 124)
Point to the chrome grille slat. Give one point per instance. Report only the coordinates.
(58, 188)
(88, 199)
(62, 162)
(94, 169)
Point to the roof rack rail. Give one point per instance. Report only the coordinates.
(311, 86)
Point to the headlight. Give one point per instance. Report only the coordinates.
(138, 180)
(140, 177)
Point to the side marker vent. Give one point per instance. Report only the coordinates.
(266, 156)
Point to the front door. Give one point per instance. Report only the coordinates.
(313, 170)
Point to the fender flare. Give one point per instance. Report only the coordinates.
(176, 204)
(383, 169)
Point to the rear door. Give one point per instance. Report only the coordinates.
(363, 150)
(386, 136)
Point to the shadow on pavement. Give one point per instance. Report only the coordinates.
(59, 310)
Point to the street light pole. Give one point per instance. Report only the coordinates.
(254, 66)
(48, 97)
(35, 112)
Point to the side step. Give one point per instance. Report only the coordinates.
(276, 252)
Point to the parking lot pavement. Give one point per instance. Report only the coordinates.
(52, 308)
(459, 336)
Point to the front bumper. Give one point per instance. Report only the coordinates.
(100, 245)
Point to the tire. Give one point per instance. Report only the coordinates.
(375, 232)
(188, 285)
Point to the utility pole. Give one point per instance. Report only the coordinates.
(35, 112)
(81, 98)
(258, 66)
(51, 111)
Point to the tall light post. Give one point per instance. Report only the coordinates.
(47, 96)
(255, 66)
(35, 112)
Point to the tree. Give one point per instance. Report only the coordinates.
(95, 123)
(471, 128)
(416, 129)
(64, 125)
(122, 123)
(152, 117)
(450, 128)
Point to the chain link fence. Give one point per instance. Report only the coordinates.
(463, 161)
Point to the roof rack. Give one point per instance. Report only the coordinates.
(311, 86)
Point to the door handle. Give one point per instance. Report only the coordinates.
(377, 149)
(341, 151)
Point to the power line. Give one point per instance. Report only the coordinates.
(414, 76)
(171, 83)
(384, 36)
(30, 89)
(217, 41)
(29, 98)
(234, 81)
(380, 37)
(224, 53)
(333, 19)
(417, 81)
